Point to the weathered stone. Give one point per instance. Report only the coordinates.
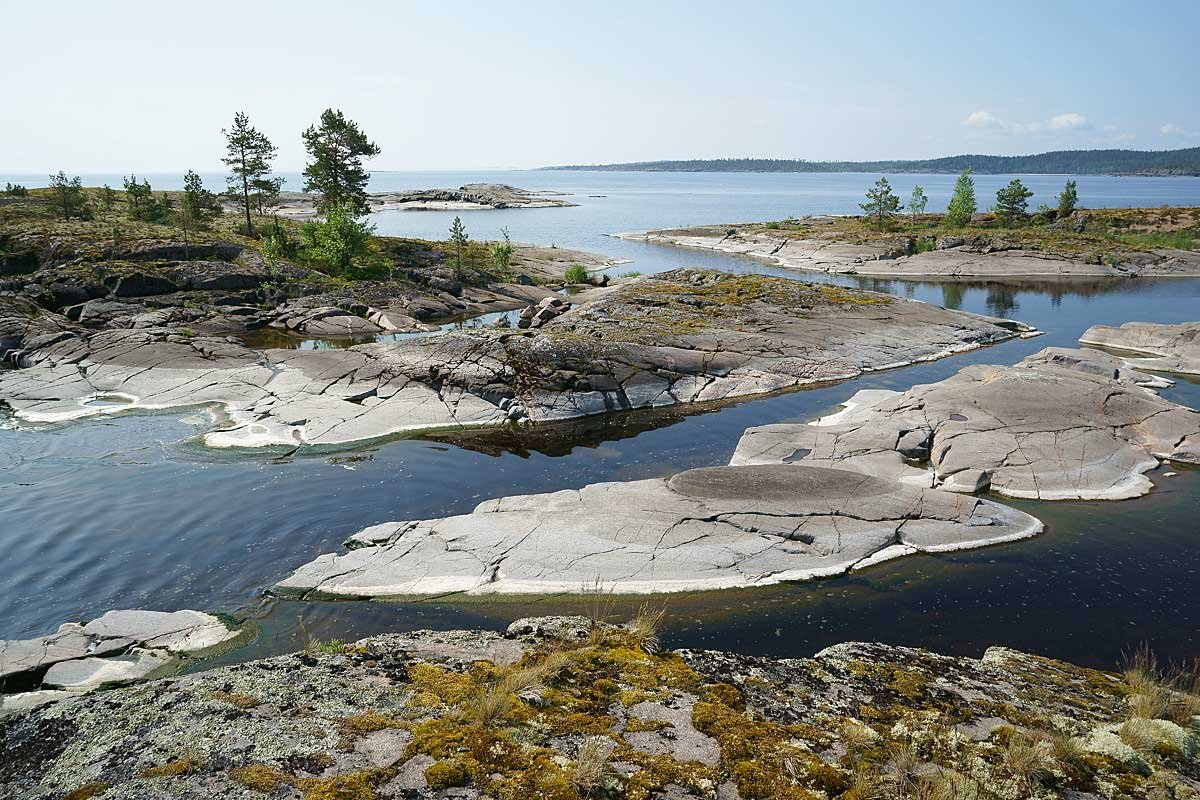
(1145, 345)
(683, 337)
(703, 529)
(85, 674)
(1062, 424)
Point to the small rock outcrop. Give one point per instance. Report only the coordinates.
(1059, 425)
(1146, 345)
(118, 648)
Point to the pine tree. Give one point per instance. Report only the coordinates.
(962, 202)
(458, 240)
(916, 203)
(248, 155)
(197, 207)
(139, 199)
(881, 203)
(67, 195)
(1012, 202)
(1067, 200)
(336, 149)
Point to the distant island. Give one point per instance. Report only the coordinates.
(1075, 162)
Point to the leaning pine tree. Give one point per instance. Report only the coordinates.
(962, 202)
(336, 149)
(248, 155)
(881, 203)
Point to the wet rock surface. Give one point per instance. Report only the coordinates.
(117, 648)
(1061, 424)
(683, 337)
(477, 713)
(710, 528)
(1146, 345)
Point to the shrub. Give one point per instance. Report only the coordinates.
(962, 202)
(577, 273)
(15, 190)
(1068, 199)
(338, 239)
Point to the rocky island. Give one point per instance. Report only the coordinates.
(470, 197)
(1110, 243)
(571, 708)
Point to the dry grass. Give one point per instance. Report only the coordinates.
(599, 604)
(1157, 692)
(645, 626)
(1027, 760)
(591, 765)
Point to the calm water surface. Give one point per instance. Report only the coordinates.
(131, 512)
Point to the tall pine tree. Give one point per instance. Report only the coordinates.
(248, 155)
(336, 149)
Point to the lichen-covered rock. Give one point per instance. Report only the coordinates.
(429, 714)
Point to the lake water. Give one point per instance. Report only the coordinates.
(130, 512)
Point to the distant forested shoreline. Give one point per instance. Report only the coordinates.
(1076, 162)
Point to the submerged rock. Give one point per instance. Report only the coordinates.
(711, 528)
(1059, 425)
(1171, 348)
(440, 714)
(683, 337)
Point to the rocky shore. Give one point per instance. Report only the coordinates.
(682, 337)
(470, 197)
(1080, 247)
(568, 708)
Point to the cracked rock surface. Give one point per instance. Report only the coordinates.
(683, 337)
(711, 528)
(591, 712)
(1147, 345)
(119, 647)
(1061, 424)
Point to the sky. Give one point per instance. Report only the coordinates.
(148, 86)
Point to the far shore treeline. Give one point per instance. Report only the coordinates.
(1058, 162)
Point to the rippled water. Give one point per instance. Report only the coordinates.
(130, 512)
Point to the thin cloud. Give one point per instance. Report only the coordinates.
(1063, 122)
(1067, 121)
(1171, 129)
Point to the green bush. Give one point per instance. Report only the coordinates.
(577, 273)
(15, 190)
(337, 240)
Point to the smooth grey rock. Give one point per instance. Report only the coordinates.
(175, 631)
(681, 740)
(85, 674)
(709, 528)
(1059, 425)
(23, 701)
(1171, 348)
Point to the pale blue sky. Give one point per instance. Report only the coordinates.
(147, 86)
